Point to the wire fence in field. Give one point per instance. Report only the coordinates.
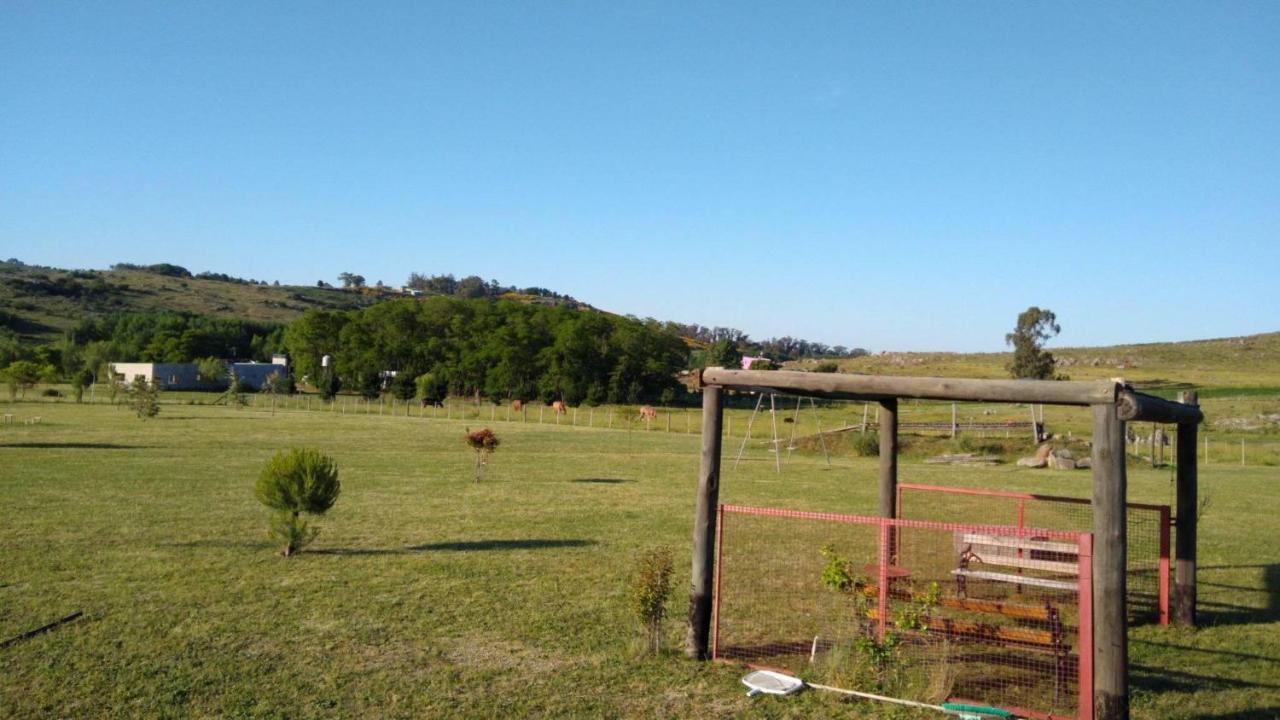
(782, 427)
(1148, 529)
(931, 612)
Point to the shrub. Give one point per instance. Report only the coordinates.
(302, 480)
(484, 442)
(826, 367)
(144, 397)
(51, 392)
(650, 588)
(867, 444)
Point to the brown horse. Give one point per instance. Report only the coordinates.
(558, 407)
(648, 412)
(517, 405)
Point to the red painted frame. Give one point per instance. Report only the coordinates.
(1165, 524)
(1084, 544)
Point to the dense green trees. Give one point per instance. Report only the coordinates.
(176, 337)
(500, 350)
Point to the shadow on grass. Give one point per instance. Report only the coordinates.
(602, 481)
(1161, 679)
(73, 446)
(1270, 713)
(459, 546)
(1215, 613)
(1210, 651)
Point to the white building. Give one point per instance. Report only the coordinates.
(185, 376)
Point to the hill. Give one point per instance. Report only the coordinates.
(1241, 362)
(40, 303)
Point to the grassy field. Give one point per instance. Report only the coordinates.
(427, 594)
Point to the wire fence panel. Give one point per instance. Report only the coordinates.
(1147, 563)
(925, 611)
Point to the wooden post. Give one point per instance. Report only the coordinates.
(1110, 632)
(953, 421)
(888, 421)
(701, 588)
(864, 417)
(1184, 553)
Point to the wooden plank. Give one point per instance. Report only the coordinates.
(1018, 579)
(1026, 563)
(1110, 632)
(1019, 543)
(984, 631)
(879, 387)
(1136, 407)
(1184, 594)
(701, 590)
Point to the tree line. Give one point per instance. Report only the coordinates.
(499, 349)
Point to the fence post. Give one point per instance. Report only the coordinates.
(1110, 632)
(1184, 606)
(888, 413)
(701, 590)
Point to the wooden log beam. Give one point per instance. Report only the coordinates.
(701, 590)
(1136, 407)
(1110, 631)
(881, 387)
(1184, 553)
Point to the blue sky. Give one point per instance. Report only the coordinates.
(892, 176)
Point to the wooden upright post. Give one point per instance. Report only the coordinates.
(888, 456)
(1184, 592)
(1110, 638)
(701, 588)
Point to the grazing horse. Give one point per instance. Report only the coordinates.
(648, 412)
(517, 405)
(558, 407)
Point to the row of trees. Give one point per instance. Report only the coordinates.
(496, 349)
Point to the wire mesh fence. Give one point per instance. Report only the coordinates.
(924, 611)
(1148, 527)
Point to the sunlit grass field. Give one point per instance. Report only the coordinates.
(428, 594)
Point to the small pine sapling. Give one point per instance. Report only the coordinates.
(484, 442)
(650, 588)
(299, 481)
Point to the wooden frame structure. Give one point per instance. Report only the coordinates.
(1113, 404)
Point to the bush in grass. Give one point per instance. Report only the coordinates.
(650, 588)
(144, 397)
(867, 444)
(484, 442)
(51, 392)
(827, 366)
(301, 480)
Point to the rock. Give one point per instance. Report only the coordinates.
(1061, 463)
(1084, 463)
(1033, 462)
(1062, 453)
(1043, 452)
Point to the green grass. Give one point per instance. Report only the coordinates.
(427, 594)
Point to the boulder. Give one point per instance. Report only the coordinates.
(1058, 462)
(1033, 462)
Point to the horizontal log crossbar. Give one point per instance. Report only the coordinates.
(1130, 406)
(883, 387)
